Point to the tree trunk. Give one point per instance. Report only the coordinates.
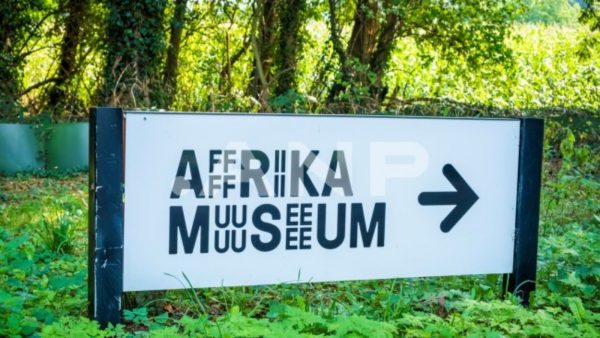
(364, 32)
(264, 38)
(368, 50)
(10, 67)
(360, 47)
(289, 43)
(76, 12)
(385, 44)
(170, 73)
(135, 42)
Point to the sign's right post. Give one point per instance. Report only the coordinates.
(521, 282)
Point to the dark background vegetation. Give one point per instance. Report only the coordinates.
(60, 57)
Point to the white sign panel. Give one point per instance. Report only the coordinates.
(233, 200)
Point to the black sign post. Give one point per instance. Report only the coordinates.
(522, 281)
(105, 233)
(106, 211)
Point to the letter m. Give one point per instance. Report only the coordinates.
(177, 224)
(357, 220)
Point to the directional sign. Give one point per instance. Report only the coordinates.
(463, 198)
(246, 199)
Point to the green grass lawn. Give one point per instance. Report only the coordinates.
(43, 271)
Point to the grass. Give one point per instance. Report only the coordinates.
(43, 248)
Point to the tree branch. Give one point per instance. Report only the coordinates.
(39, 84)
(34, 29)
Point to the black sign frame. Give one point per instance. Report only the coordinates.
(106, 212)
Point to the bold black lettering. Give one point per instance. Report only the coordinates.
(234, 219)
(291, 215)
(228, 159)
(230, 241)
(282, 185)
(242, 246)
(227, 185)
(357, 220)
(290, 239)
(305, 214)
(230, 216)
(341, 227)
(343, 181)
(225, 247)
(213, 184)
(304, 242)
(270, 228)
(200, 224)
(254, 174)
(299, 173)
(212, 154)
(227, 221)
(188, 158)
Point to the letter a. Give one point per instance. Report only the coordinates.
(188, 158)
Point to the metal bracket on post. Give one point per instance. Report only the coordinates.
(105, 232)
(521, 282)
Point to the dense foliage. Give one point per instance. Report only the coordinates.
(19, 20)
(301, 55)
(564, 12)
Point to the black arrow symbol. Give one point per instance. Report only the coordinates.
(464, 197)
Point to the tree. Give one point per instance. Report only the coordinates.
(19, 24)
(292, 19)
(590, 16)
(263, 38)
(276, 45)
(135, 46)
(473, 30)
(360, 48)
(562, 12)
(170, 72)
(75, 11)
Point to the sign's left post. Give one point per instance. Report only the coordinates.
(105, 232)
